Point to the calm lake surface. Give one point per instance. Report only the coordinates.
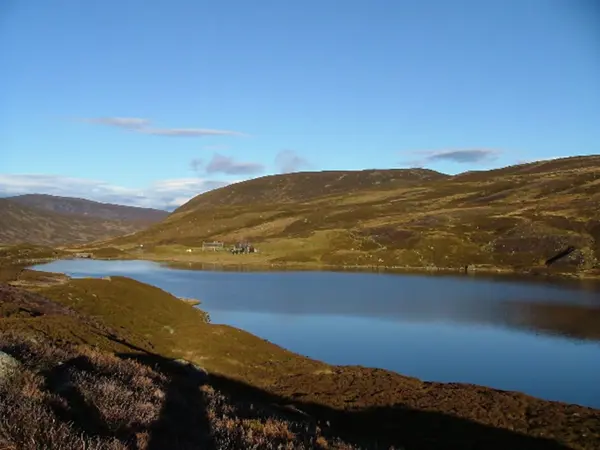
(538, 338)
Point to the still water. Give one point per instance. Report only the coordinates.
(539, 338)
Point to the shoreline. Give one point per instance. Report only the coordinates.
(227, 262)
(62, 278)
(369, 401)
(196, 303)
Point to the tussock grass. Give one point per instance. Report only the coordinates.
(75, 397)
(78, 397)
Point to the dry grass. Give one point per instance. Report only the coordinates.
(75, 397)
(82, 207)
(23, 224)
(14, 259)
(78, 397)
(513, 219)
(252, 425)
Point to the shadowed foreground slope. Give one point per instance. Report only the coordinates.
(100, 368)
(516, 218)
(80, 397)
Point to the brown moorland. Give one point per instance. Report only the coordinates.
(89, 208)
(115, 363)
(20, 224)
(519, 218)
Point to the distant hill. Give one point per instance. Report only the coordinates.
(518, 216)
(305, 186)
(23, 224)
(89, 208)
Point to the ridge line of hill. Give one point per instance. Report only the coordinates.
(20, 223)
(520, 218)
(90, 208)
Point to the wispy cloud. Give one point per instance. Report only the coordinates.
(463, 156)
(289, 161)
(144, 126)
(189, 132)
(121, 122)
(460, 156)
(216, 147)
(227, 165)
(163, 194)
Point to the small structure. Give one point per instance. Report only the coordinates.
(214, 246)
(242, 247)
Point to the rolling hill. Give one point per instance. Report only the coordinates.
(301, 187)
(515, 217)
(89, 208)
(23, 224)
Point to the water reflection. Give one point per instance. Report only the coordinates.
(586, 284)
(563, 307)
(539, 338)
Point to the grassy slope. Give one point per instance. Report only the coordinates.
(255, 380)
(302, 186)
(20, 224)
(13, 260)
(515, 218)
(89, 208)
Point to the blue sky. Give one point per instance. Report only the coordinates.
(151, 102)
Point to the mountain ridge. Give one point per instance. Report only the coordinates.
(24, 224)
(90, 208)
(332, 182)
(512, 217)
